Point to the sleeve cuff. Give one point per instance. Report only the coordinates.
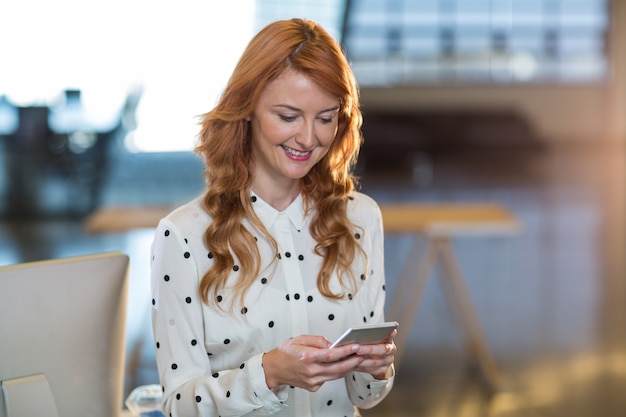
(272, 399)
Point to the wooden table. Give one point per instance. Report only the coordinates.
(122, 219)
(437, 225)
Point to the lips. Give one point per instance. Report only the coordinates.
(295, 154)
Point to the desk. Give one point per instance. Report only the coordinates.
(437, 225)
(122, 219)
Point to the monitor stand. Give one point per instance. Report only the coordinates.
(28, 396)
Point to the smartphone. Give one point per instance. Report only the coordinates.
(366, 335)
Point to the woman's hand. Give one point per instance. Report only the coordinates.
(306, 362)
(377, 359)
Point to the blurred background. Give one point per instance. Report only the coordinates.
(519, 103)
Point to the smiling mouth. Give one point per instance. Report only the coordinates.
(296, 153)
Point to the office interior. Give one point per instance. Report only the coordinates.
(453, 116)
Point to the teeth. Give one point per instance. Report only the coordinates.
(295, 152)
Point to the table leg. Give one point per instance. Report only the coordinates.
(460, 301)
(409, 291)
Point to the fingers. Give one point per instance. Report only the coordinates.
(306, 362)
(319, 366)
(380, 350)
(378, 358)
(319, 342)
(315, 375)
(385, 347)
(320, 351)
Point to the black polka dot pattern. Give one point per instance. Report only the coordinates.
(223, 341)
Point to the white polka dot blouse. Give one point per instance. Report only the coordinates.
(209, 359)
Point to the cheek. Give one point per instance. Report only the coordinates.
(328, 134)
(271, 132)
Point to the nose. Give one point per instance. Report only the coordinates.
(307, 136)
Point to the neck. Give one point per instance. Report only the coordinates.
(279, 198)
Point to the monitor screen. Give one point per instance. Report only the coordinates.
(62, 336)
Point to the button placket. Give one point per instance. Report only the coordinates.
(293, 276)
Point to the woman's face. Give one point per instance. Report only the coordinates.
(292, 126)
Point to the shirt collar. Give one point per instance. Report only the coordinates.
(268, 214)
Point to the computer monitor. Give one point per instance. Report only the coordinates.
(62, 336)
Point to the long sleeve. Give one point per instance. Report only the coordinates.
(209, 356)
(365, 391)
(184, 365)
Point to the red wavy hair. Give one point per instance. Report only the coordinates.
(224, 143)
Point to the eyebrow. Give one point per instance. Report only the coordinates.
(292, 108)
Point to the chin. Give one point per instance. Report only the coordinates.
(297, 174)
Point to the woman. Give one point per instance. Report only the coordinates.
(280, 255)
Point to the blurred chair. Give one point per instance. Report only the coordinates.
(58, 157)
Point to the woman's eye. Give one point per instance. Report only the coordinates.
(327, 120)
(286, 118)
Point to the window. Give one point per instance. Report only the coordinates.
(328, 13)
(400, 42)
(181, 53)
